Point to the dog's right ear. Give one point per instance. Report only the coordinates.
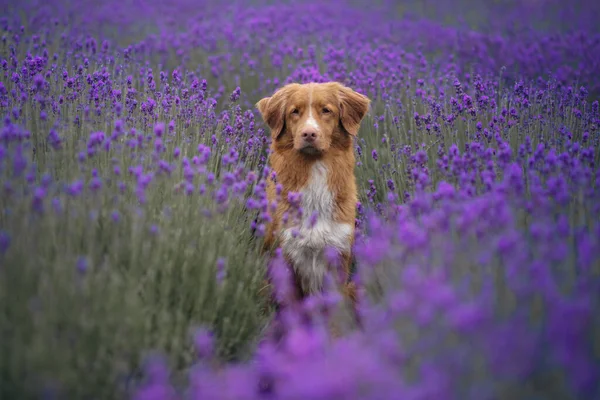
(272, 109)
(353, 106)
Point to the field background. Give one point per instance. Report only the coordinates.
(133, 165)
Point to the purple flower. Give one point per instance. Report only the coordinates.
(54, 139)
(312, 221)
(95, 184)
(222, 195)
(189, 189)
(203, 342)
(466, 317)
(75, 188)
(204, 154)
(220, 270)
(159, 147)
(159, 129)
(119, 126)
(82, 265)
(39, 195)
(236, 94)
(421, 157)
(156, 372)
(210, 178)
(4, 242)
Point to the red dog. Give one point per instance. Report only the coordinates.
(312, 129)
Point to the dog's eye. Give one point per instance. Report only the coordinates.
(295, 111)
(326, 110)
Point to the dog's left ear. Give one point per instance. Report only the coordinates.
(353, 108)
(272, 109)
(269, 116)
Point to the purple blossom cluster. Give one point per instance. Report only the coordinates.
(133, 202)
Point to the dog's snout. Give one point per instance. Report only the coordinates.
(309, 136)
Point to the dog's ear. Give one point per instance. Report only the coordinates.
(353, 108)
(273, 108)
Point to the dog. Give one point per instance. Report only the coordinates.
(312, 131)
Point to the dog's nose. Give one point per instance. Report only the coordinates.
(309, 136)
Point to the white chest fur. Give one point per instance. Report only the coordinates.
(307, 249)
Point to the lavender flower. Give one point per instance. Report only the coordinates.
(4, 242)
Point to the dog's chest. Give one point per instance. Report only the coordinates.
(305, 243)
(317, 198)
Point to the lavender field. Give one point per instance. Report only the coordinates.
(133, 165)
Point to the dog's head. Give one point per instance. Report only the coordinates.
(310, 118)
